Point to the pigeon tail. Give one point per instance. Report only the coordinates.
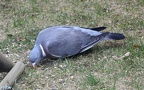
(115, 36)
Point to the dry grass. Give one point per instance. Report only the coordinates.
(20, 22)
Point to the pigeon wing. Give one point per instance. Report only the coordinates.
(74, 43)
(64, 47)
(94, 41)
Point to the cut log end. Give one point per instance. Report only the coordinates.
(5, 64)
(12, 76)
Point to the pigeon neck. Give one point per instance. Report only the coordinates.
(43, 52)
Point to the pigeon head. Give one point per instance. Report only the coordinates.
(35, 55)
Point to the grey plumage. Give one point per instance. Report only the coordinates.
(65, 41)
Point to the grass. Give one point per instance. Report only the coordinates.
(96, 69)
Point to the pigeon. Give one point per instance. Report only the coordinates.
(64, 41)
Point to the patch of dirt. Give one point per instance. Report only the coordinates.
(2, 35)
(120, 84)
(3, 24)
(22, 56)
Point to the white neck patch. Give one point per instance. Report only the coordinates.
(43, 52)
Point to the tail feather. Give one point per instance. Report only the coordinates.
(97, 28)
(115, 36)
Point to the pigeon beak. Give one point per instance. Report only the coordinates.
(33, 65)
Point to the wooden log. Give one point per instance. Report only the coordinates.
(5, 64)
(12, 76)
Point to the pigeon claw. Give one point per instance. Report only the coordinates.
(33, 65)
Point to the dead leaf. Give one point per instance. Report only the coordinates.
(136, 46)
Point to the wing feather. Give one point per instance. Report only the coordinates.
(68, 42)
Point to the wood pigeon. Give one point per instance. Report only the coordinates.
(64, 41)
